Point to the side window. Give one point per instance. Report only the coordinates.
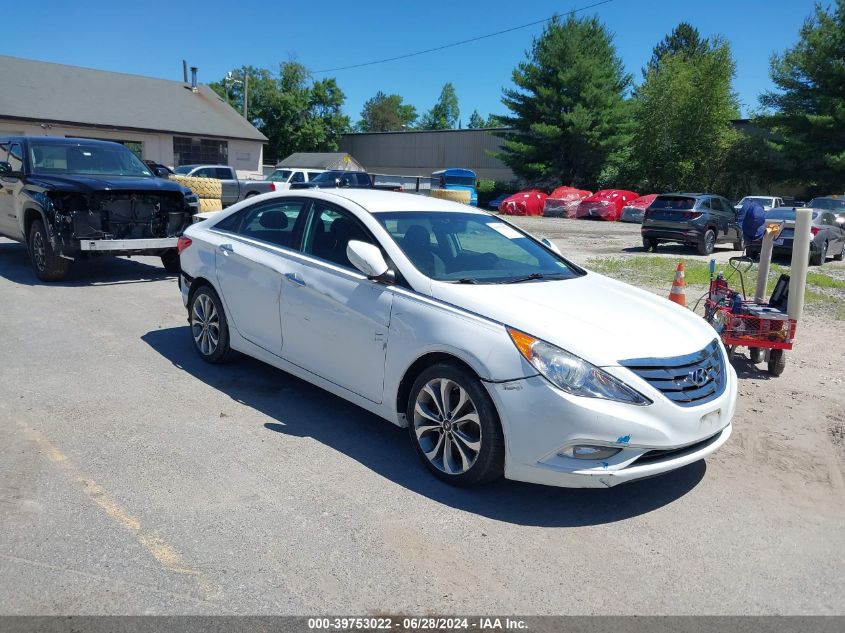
(329, 232)
(273, 222)
(224, 173)
(205, 172)
(298, 176)
(704, 203)
(16, 157)
(313, 174)
(347, 180)
(363, 179)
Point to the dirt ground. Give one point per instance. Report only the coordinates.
(790, 430)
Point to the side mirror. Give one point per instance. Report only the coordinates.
(162, 172)
(5, 168)
(551, 245)
(367, 258)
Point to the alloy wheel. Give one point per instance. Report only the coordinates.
(447, 426)
(39, 251)
(205, 324)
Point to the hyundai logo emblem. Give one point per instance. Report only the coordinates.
(699, 377)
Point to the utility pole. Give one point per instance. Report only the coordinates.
(246, 95)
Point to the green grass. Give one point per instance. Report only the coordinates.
(822, 291)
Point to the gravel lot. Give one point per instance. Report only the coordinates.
(135, 479)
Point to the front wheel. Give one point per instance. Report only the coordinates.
(47, 265)
(739, 245)
(209, 328)
(707, 242)
(170, 261)
(454, 426)
(649, 244)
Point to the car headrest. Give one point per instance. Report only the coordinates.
(275, 220)
(417, 237)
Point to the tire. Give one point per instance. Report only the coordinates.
(474, 439)
(170, 261)
(740, 245)
(210, 204)
(841, 255)
(649, 244)
(818, 259)
(203, 187)
(47, 265)
(756, 355)
(206, 315)
(777, 362)
(707, 242)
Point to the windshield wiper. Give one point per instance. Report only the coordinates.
(534, 276)
(465, 280)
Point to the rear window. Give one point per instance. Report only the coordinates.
(681, 203)
(827, 203)
(785, 213)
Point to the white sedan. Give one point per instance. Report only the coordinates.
(499, 355)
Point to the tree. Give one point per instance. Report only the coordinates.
(445, 113)
(684, 40)
(294, 112)
(807, 114)
(386, 113)
(567, 110)
(683, 121)
(476, 121)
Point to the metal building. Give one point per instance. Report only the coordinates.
(419, 153)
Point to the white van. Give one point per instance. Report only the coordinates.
(283, 177)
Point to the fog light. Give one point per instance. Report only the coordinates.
(589, 452)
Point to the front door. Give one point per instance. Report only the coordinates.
(10, 185)
(335, 321)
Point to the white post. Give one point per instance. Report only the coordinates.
(763, 269)
(800, 263)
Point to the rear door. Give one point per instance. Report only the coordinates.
(10, 186)
(251, 259)
(229, 183)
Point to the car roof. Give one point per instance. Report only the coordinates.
(376, 201)
(62, 140)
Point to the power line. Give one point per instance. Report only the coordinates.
(462, 42)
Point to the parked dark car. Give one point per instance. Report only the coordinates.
(827, 228)
(337, 178)
(69, 198)
(700, 219)
(830, 203)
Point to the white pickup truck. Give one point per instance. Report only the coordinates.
(284, 178)
(234, 190)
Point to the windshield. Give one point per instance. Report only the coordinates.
(682, 203)
(472, 248)
(280, 175)
(766, 202)
(460, 180)
(827, 203)
(90, 160)
(184, 169)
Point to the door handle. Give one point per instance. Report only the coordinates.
(294, 278)
(226, 248)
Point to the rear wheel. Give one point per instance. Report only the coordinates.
(755, 354)
(47, 265)
(777, 362)
(649, 244)
(740, 245)
(454, 426)
(840, 255)
(208, 326)
(818, 259)
(707, 242)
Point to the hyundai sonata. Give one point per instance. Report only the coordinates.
(499, 355)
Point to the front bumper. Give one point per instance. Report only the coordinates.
(541, 421)
(128, 246)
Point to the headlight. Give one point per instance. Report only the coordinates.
(572, 374)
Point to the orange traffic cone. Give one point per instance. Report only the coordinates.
(678, 294)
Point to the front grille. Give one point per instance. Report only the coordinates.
(665, 455)
(685, 380)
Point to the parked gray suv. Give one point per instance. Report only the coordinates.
(700, 219)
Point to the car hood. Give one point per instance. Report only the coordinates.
(90, 184)
(602, 320)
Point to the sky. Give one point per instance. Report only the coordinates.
(152, 39)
